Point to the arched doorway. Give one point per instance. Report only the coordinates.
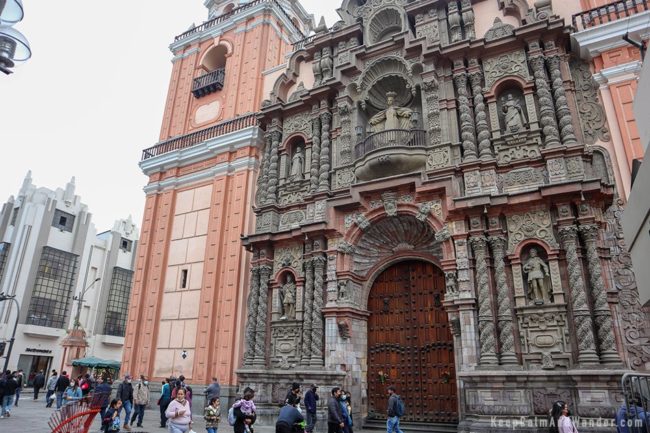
(410, 344)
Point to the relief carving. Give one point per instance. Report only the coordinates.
(513, 63)
(499, 30)
(534, 224)
(344, 177)
(298, 123)
(590, 109)
(288, 257)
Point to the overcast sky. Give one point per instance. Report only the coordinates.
(92, 96)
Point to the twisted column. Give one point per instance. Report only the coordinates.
(317, 315)
(466, 121)
(480, 113)
(561, 105)
(324, 170)
(272, 192)
(581, 314)
(262, 306)
(309, 311)
(486, 329)
(263, 179)
(546, 108)
(315, 154)
(253, 302)
(602, 313)
(504, 306)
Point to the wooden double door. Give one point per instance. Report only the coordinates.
(410, 344)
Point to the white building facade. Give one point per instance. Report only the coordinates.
(51, 257)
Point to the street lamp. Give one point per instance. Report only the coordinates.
(4, 297)
(14, 47)
(11, 11)
(80, 300)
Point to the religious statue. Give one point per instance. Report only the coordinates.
(514, 114)
(297, 162)
(343, 291)
(537, 271)
(288, 295)
(392, 117)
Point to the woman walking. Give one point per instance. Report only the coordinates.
(179, 414)
(165, 399)
(73, 392)
(560, 419)
(211, 415)
(245, 412)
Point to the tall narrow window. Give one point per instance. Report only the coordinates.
(184, 279)
(117, 306)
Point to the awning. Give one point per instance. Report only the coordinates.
(93, 362)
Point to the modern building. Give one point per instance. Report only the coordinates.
(59, 269)
(430, 196)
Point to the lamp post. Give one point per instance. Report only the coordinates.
(80, 300)
(14, 47)
(4, 297)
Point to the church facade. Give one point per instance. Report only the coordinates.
(433, 201)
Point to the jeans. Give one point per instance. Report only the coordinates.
(7, 401)
(127, 406)
(17, 395)
(211, 429)
(392, 425)
(59, 399)
(177, 428)
(311, 422)
(48, 402)
(138, 412)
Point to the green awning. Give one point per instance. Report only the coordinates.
(93, 362)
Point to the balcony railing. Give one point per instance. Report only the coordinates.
(390, 138)
(189, 140)
(208, 83)
(608, 13)
(303, 42)
(225, 17)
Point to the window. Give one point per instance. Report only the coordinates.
(4, 252)
(118, 302)
(184, 279)
(126, 245)
(63, 221)
(50, 300)
(14, 216)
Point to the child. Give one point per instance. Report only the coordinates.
(211, 415)
(111, 422)
(247, 407)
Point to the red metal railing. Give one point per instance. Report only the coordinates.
(228, 15)
(608, 13)
(78, 416)
(390, 138)
(189, 140)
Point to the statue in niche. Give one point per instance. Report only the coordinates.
(288, 298)
(343, 291)
(514, 117)
(392, 117)
(537, 271)
(297, 163)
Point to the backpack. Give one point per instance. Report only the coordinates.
(399, 409)
(232, 419)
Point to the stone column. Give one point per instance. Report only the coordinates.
(324, 170)
(453, 18)
(263, 179)
(467, 128)
(272, 192)
(581, 314)
(602, 312)
(317, 314)
(547, 109)
(432, 99)
(486, 329)
(309, 311)
(468, 19)
(480, 113)
(260, 326)
(253, 302)
(346, 134)
(561, 105)
(504, 307)
(315, 153)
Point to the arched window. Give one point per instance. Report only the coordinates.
(228, 8)
(213, 72)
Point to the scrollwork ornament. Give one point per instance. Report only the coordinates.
(590, 110)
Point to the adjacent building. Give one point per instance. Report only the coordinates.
(60, 270)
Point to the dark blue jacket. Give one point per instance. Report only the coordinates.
(290, 415)
(310, 401)
(637, 419)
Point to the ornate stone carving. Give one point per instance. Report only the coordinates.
(453, 20)
(344, 177)
(345, 247)
(291, 197)
(426, 26)
(300, 90)
(317, 315)
(343, 291)
(514, 118)
(482, 128)
(565, 122)
(430, 89)
(316, 68)
(327, 64)
(523, 178)
(590, 109)
(324, 169)
(544, 333)
(468, 19)
(426, 208)
(537, 272)
(346, 134)
(263, 178)
(288, 298)
(361, 221)
(393, 117)
(389, 200)
(272, 191)
(575, 167)
(309, 309)
(260, 326)
(499, 30)
(486, 328)
(285, 342)
(547, 109)
(288, 257)
(298, 123)
(504, 307)
(344, 329)
(467, 127)
(386, 66)
(451, 283)
(543, 399)
(297, 165)
(315, 153)
(291, 219)
(533, 224)
(253, 303)
(267, 222)
(513, 63)
(438, 158)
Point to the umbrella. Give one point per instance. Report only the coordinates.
(93, 362)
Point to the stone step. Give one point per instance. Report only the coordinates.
(412, 427)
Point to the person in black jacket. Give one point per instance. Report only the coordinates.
(39, 382)
(335, 422)
(289, 420)
(105, 390)
(311, 397)
(245, 421)
(61, 385)
(125, 394)
(8, 385)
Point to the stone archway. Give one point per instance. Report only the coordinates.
(410, 344)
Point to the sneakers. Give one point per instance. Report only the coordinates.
(127, 427)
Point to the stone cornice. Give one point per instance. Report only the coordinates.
(592, 42)
(618, 73)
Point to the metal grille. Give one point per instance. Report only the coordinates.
(118, 302)
(633, 412)
(51, 296)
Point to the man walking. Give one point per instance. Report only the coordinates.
(311, 399)
(8, 385)
(395, 411)
(51, 388)
(213, 391)
(103, 388)
(39, 382)
(62, 383)
(19, 377)
(165, 399)
(125, 393)
(335, 422)
(140, 400)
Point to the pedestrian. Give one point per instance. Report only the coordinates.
(163, 402)
(8, 385)
(561, 418)
(125, 393)
(73, 392)
(179, 413)
(245, 412)
(85, 384)
(335, 421)
(19, 378)
(62, 384)
(345, 411)
(311, 399)
(140, 400)
(214, 390)
(51, 389)
(290, 420)
(293, 395)
(111, 418)
(104, 389)
(211, 415)
(632, 419)
(39, 382)
(395, 411)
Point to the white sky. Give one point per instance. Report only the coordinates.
(92, 96)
